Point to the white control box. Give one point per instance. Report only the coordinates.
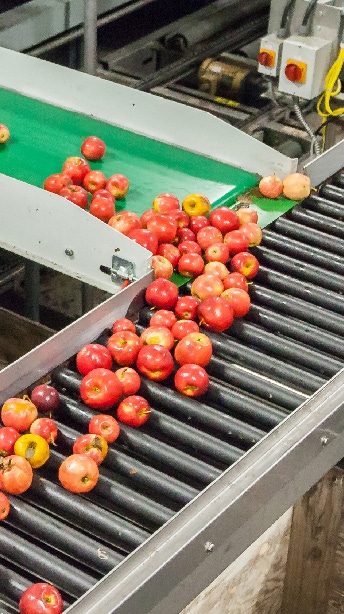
(312, 56)
(272, 46)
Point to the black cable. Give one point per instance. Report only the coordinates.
(308, 12)
(283, 25)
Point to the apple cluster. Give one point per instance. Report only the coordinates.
(86, 187)
(295, 186)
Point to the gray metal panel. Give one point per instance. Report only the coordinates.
(327, 164)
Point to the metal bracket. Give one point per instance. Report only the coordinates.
(122, 269)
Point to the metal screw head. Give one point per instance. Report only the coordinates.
(209, 547)
(69, 252)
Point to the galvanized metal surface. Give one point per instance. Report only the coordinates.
(326, 164)
(84, 243)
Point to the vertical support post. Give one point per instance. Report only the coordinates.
(32, 290)
(312, 546)
(90, 36)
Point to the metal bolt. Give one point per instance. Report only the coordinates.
(324, 440)
(69, 252)
(209, 547)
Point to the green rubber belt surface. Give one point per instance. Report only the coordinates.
(43, 136)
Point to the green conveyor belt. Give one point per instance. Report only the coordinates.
(43, 136)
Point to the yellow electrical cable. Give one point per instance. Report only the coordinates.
(333, 87)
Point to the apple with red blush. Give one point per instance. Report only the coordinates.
(215, 313)
(125, 222)
(219, 252)
(195, 348)
(185, 234)
(55, 182)
(124, 347)
(186, 307)
(216, 268)
(118, 185)
(162, 267)
(162, 293)
(41, 597)
(197, 222)
(76, 168)
(246, 264)
(146, 238)
(158, 335)
(155, 362)
(239, 300)
(236, 241)
(4, 133)
(93, 148)
(165, 203)
(189, 247)
(191, 380)
(209, 235)
(163, 317)
(123, 324)
(75, 194)
(207, 285)
(94, 180)
(224, 219)
(235, 280)
(190, 265)
(181, 328)
(102, 208)
(164, 226)
(169, 251)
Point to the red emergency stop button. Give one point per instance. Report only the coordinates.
(266, 57)
(295, 71)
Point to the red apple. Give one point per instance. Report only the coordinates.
(46, 428)
(118, 185)
(209, 235)
(189, 247)
(125, 222)
(224, 219)
(94, 180)
(163, 317)
(55, 182)
(197, 222)
(239, 300)
(102, 208)
(129, 379)
(76, 168)
(190, 265)
(183, 327)
(103, 193)
(162, 293)
(93, 148)
(124, 347)
(164, 226)
(162, 267)
(158, 335)
(235, 280)
(215, 313)
(41, 598)
(191, 380)
(155, 361)
(236, 242)
(186, 307)
(195, 348)
(180, 217)
(217, 253)
(147, 215)
(216, 268)
(271, 186)
(104, 425)
(206, 285)
(123, 324)
(165, 202)
(245, 263)
(146, 238)
(171, 252)
(134, 410)
(75, 194)
(185, 234)
(100, 389)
